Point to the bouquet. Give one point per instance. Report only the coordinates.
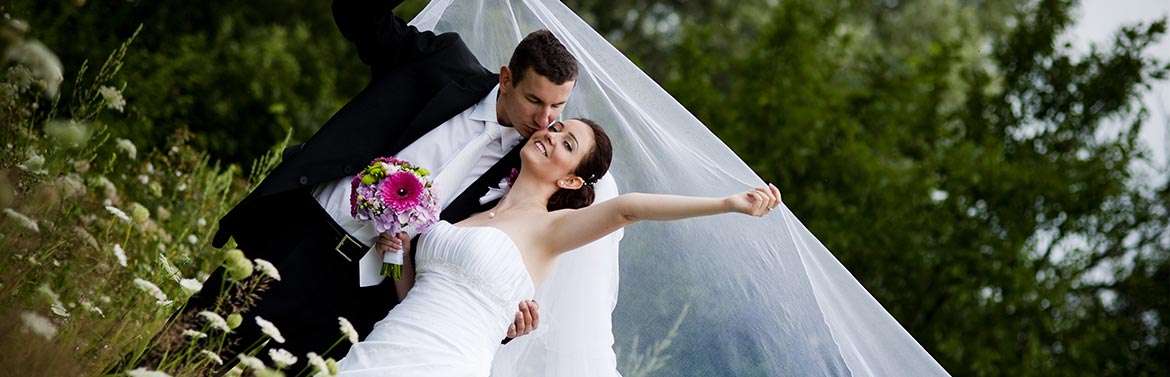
(397, 196)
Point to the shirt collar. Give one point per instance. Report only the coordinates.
(485, 111)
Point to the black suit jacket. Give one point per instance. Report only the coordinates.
(418, 81)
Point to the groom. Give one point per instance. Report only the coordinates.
(428, 98)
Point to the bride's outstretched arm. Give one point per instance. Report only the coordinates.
(576, 228)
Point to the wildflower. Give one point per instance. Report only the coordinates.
(23, 220)
(192, 239)
(281, 357)
(120, 254)
(44, 65)
(182, 187)
(212, 356)
(252, 362)
(143, 372)
(170, 268)
(143, 178)
(108, 188)
(152, 289)
(163, 213)
(268, 269)
(194, 334)
(39, 325)
(113, 98)
(69, 133)
(117, 212)
(269, 329)
(318, 363)
(334, 369)
(71, 185)
(348, 330)
(91, 307)
(234, 320)
(201, 222)
(238, 266)
(191, 285)
(236, 371)
(35, 164)
(127, 146)
(215, 321)
(60, 310)
(47, 292)
(155, 188)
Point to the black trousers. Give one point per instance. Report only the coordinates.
(319, 283)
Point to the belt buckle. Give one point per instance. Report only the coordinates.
(342, 242)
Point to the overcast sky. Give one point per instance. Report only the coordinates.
(1097, 23)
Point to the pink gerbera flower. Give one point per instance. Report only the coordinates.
(402, 191)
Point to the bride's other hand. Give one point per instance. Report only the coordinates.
(527, 319)
(757, 202)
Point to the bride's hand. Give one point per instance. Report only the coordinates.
(394, 243)
(757, 202)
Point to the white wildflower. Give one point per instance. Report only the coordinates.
(41, 61)
(127, 146)
(215, 320)
(117, 212)
(120, 254)
(182, 187)
(252, 362)
(201, 222)
(192, 239)
(348, 330)
(194, 334)
(143, 178)
(269, 329)
(236, 371)
(318, 363)
(937, 195)
(149, 287)
(108, 188)
(35, 164)
(48, 293)
(68, 133)
(60, 310)
(212, 356)
(281, 357)
(191, 285)
(104, 299)
(267, 268)
(23, 220)
(71, 185)
(143, 372)
(39, 325)
(113, 98)
(91, 307)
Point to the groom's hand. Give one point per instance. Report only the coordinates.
(526, 319)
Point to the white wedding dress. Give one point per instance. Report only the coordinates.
(469, 281)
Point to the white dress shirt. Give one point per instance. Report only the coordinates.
(433, 152)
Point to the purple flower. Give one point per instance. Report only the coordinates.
(402, 191)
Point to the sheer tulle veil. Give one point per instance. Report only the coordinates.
(720, 295)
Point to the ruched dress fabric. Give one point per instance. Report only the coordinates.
(469, 283)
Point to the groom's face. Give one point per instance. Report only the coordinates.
(531, 104)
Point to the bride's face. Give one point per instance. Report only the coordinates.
(553, 153)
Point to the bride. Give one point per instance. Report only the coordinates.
(705, 297)
(470, 274)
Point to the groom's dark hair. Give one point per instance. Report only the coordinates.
(543, 53)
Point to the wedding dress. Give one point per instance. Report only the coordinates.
(469, 281)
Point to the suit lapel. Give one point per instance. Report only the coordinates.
(454, 98)
(467, 203)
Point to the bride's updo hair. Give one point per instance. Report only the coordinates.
(592, 167)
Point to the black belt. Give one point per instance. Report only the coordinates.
(344, 244)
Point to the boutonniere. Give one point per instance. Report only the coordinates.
(501, 190)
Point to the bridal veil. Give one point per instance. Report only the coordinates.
(719, 295)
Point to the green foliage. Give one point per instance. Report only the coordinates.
(964, 169)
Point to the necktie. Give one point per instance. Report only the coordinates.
(450, 180)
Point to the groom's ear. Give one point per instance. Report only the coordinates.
(505, 78)
(571, 182)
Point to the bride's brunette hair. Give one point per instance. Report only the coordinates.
(592, 167)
